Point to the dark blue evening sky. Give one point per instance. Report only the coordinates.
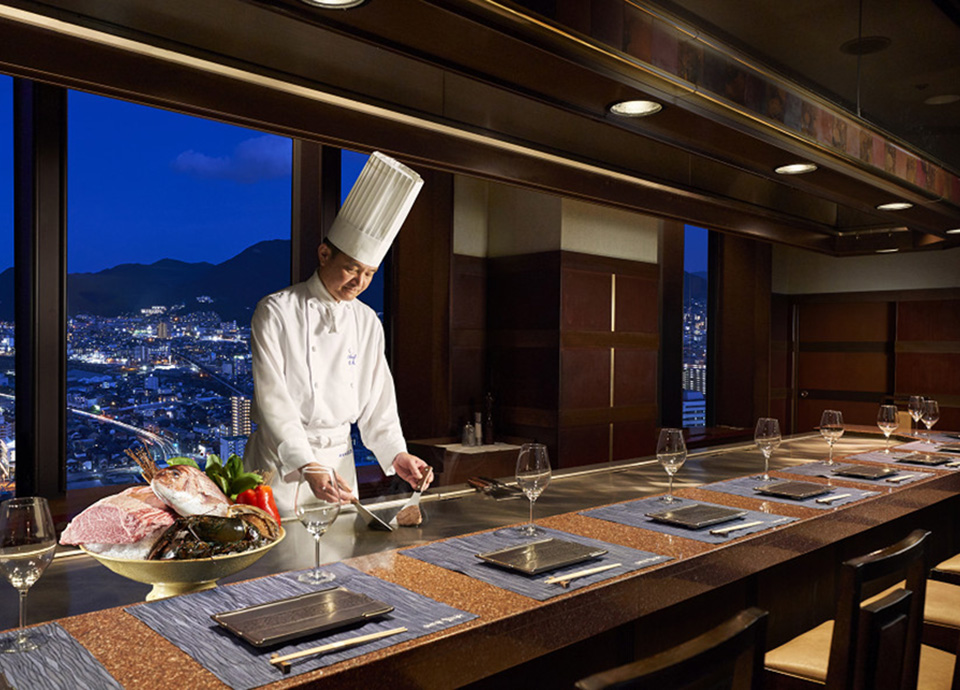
(695, 249)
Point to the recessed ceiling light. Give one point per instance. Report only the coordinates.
(887, 251)
(865, 45)
(955, 231)
(635, 108)
(943, 99)
(334, 4)
(795, 169)
(895, 206)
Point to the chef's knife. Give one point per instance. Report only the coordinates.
(373, 522)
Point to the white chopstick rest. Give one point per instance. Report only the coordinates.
(283, 662)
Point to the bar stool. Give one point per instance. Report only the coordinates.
(874, 644)
(729, 655)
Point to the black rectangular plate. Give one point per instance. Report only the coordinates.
(541, 556)
(922, 459)
(697, 515)
(288, 619)
(864, 471)
(795, 490)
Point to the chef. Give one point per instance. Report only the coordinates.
(318, 352)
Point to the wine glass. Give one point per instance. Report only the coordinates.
(767, 438)
(671, 452)
(888, 422)
(930, 414)
(27, 544)
(533, 475)
(831, 428)
(915, 407)
(317, 513)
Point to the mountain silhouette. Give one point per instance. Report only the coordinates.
(234, 286)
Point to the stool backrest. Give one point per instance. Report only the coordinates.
(728, 656)
(878, 646)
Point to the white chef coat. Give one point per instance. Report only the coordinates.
(318, 366)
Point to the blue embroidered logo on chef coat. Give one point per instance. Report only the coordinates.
(351, 358)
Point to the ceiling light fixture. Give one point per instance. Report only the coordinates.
(955, 231)
(887, 251)
(636, 108)
(334, 4)
(943, 99)
(895, 206)
(795, 169)
(865, 45)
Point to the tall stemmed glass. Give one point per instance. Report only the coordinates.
(930, 414)
(767, 438)
(27, 544)
(317, 513)
(533, 475)
(915, 407)
(888, 421)
(831, 428)
(672, 453)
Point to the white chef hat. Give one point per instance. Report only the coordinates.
(375, 209)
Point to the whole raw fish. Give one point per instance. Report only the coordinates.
(187, 490)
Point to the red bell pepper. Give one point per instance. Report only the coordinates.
(261, 497)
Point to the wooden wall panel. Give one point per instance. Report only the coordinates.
(809, 411)
(583, 444)
(468, 350)
(584, 378)
(845, 322)
(634, 439)
(637, 307)
(932, 374)
(929, 320)
(844, 371)
(585, 301)
(635, 376)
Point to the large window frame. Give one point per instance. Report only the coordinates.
(40, 261)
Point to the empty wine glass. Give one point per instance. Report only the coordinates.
(831, 428)
(671, 452)
(915, 407)
(317, 512)
(27, 544)
(930, 414)
(888, 421)
(533, 475)
(767, 438)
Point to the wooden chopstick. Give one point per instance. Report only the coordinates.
(283, 662)
(564, 580)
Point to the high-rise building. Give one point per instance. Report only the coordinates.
(232, 445)
(163, 330)
(239, 416)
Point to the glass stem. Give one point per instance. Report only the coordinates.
(316, 554)
(766, 465)
(670, 487)
(22, 634)
(531, 511)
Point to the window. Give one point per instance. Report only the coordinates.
(695, 294)
(7, 378)
(177, 226)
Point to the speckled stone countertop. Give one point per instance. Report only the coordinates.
(510, 628)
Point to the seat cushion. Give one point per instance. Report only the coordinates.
(941, 606)
(951, 565)
(806, 656)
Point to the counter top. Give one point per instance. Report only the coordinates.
(512, 630)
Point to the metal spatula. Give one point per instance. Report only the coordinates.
(414, 500)
(373, 522)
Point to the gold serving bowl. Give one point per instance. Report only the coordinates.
(172, 577)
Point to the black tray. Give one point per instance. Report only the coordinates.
(922, 459)
(793, 489)
(541, 556)
(697, 515)
(864, 471)
(288, 619)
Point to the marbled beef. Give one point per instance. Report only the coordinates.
(123, 518)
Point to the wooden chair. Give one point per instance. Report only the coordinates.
(728, 656)
(873, 644)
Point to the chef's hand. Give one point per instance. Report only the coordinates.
(412, 469)
(325, 487)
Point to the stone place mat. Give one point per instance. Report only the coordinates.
(186, 622)
(822, 469)
(60, 663)
(634, 514)
(459, 555)
(904, 451)
(744, 486)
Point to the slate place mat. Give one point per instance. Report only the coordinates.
(634, 514)
(822, 469)
(60, 663)
(925, 446)
(906, 450)
(185, 621)
(459, 555)
(744, 486)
